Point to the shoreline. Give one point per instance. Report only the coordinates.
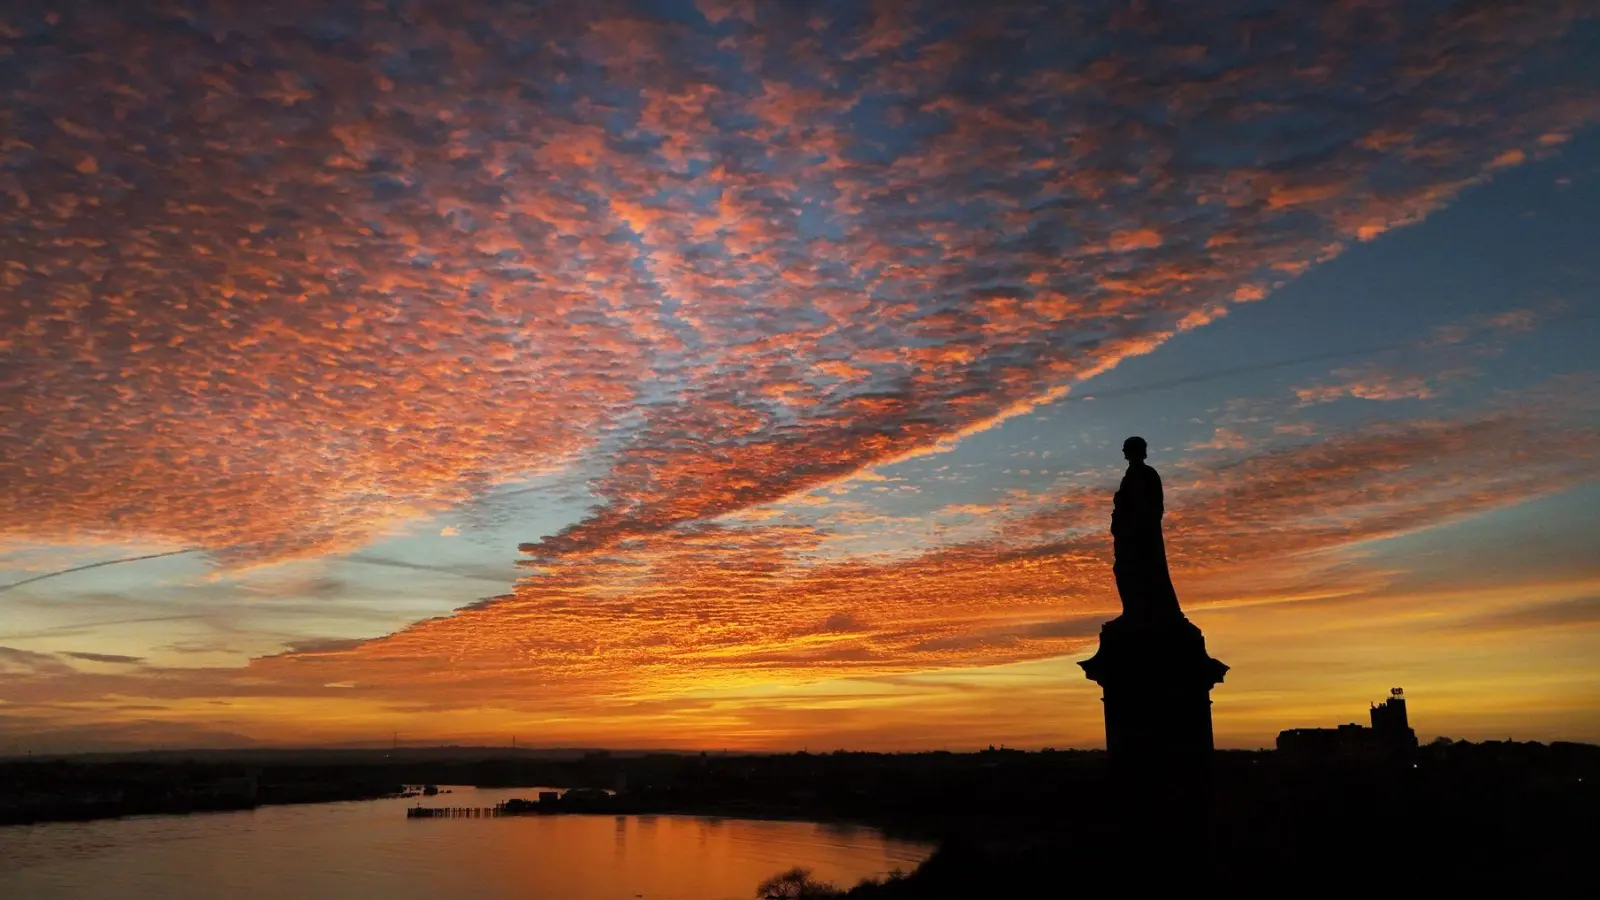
(919, 832)
(922, 831)
(45, 814)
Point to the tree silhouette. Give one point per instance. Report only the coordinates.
(797, 884)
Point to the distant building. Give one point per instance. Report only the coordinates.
(1389, 720)
(1390, 737)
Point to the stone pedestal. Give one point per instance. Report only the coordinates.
(1157, 679)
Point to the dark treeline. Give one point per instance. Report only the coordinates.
(108, 785)
(67, 789)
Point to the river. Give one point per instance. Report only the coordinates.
(370, 849)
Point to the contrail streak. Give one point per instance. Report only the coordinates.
(1254, 368)
(422, 567)
(108, 562)
(1249, 369)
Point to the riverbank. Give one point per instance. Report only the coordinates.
(584, 803)
(32, 792)
(30, 811)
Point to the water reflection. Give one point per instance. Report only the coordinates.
(346, 850)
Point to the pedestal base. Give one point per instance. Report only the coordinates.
(1157, 679)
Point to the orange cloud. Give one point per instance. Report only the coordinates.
(716, 608)
(1138, 239)
(709, 610)
(1370, 385)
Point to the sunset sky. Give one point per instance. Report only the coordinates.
(753, 374)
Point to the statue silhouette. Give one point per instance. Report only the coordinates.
(1156, 678)
(1140, 568)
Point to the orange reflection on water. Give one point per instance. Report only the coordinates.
(370, 849)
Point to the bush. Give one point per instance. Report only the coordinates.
(797, 884)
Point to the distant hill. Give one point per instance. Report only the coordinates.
(350, 755)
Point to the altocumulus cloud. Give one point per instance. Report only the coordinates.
(400, 256)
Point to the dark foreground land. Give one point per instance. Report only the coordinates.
(1009, 824)
(1468, 818)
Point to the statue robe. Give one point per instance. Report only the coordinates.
(1141, 556)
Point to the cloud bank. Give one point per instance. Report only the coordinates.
(280, 277)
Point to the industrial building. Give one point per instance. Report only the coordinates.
(1389, 737)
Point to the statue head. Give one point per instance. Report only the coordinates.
(1134, 449)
